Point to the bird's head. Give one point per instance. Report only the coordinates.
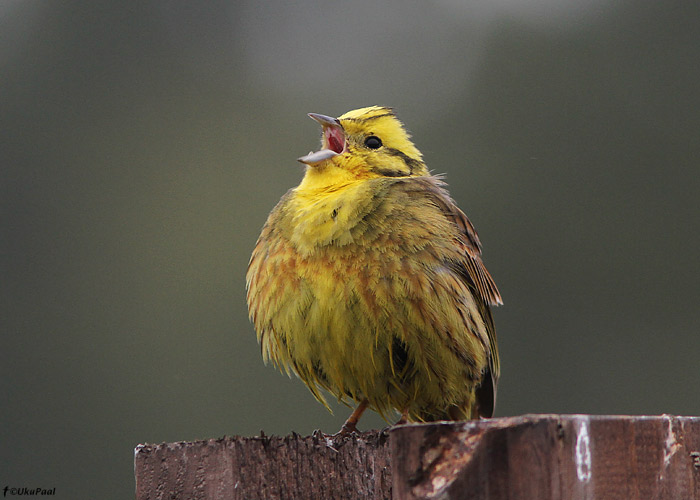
(362, 144)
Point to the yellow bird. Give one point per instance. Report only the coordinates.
(367, 280)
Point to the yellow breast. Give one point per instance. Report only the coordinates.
(348, 288)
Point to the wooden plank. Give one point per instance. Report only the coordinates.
(266, 468)
(549, 457)
(543, 457)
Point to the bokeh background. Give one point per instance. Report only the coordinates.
(143, 144)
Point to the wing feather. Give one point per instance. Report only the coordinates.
(472, 270)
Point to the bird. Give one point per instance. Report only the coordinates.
(367, 281)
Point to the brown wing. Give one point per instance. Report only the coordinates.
(474, 273)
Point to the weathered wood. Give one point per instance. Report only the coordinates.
(543, 457)
(549, 457)
(266, 468)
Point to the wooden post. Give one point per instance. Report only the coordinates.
(557, 457)
(542, 457)
(294, 466)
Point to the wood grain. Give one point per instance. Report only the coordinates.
(266, 468)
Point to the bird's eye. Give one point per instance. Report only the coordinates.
(373, 142)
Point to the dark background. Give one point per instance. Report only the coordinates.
(143, 144)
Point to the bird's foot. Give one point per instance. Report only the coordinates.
(347, 429)
(403, 419)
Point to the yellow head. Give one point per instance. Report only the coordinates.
(362, 144)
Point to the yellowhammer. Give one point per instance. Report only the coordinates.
(367, 280)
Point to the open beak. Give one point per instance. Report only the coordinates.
(333, 140)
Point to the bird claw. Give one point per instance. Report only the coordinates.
(347, 429)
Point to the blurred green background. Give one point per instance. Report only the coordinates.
(143, 144)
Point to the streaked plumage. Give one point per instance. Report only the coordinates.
(367, 280)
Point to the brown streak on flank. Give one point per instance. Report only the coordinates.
(365, 291)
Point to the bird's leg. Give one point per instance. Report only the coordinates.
(404, 417)
(350, 424)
